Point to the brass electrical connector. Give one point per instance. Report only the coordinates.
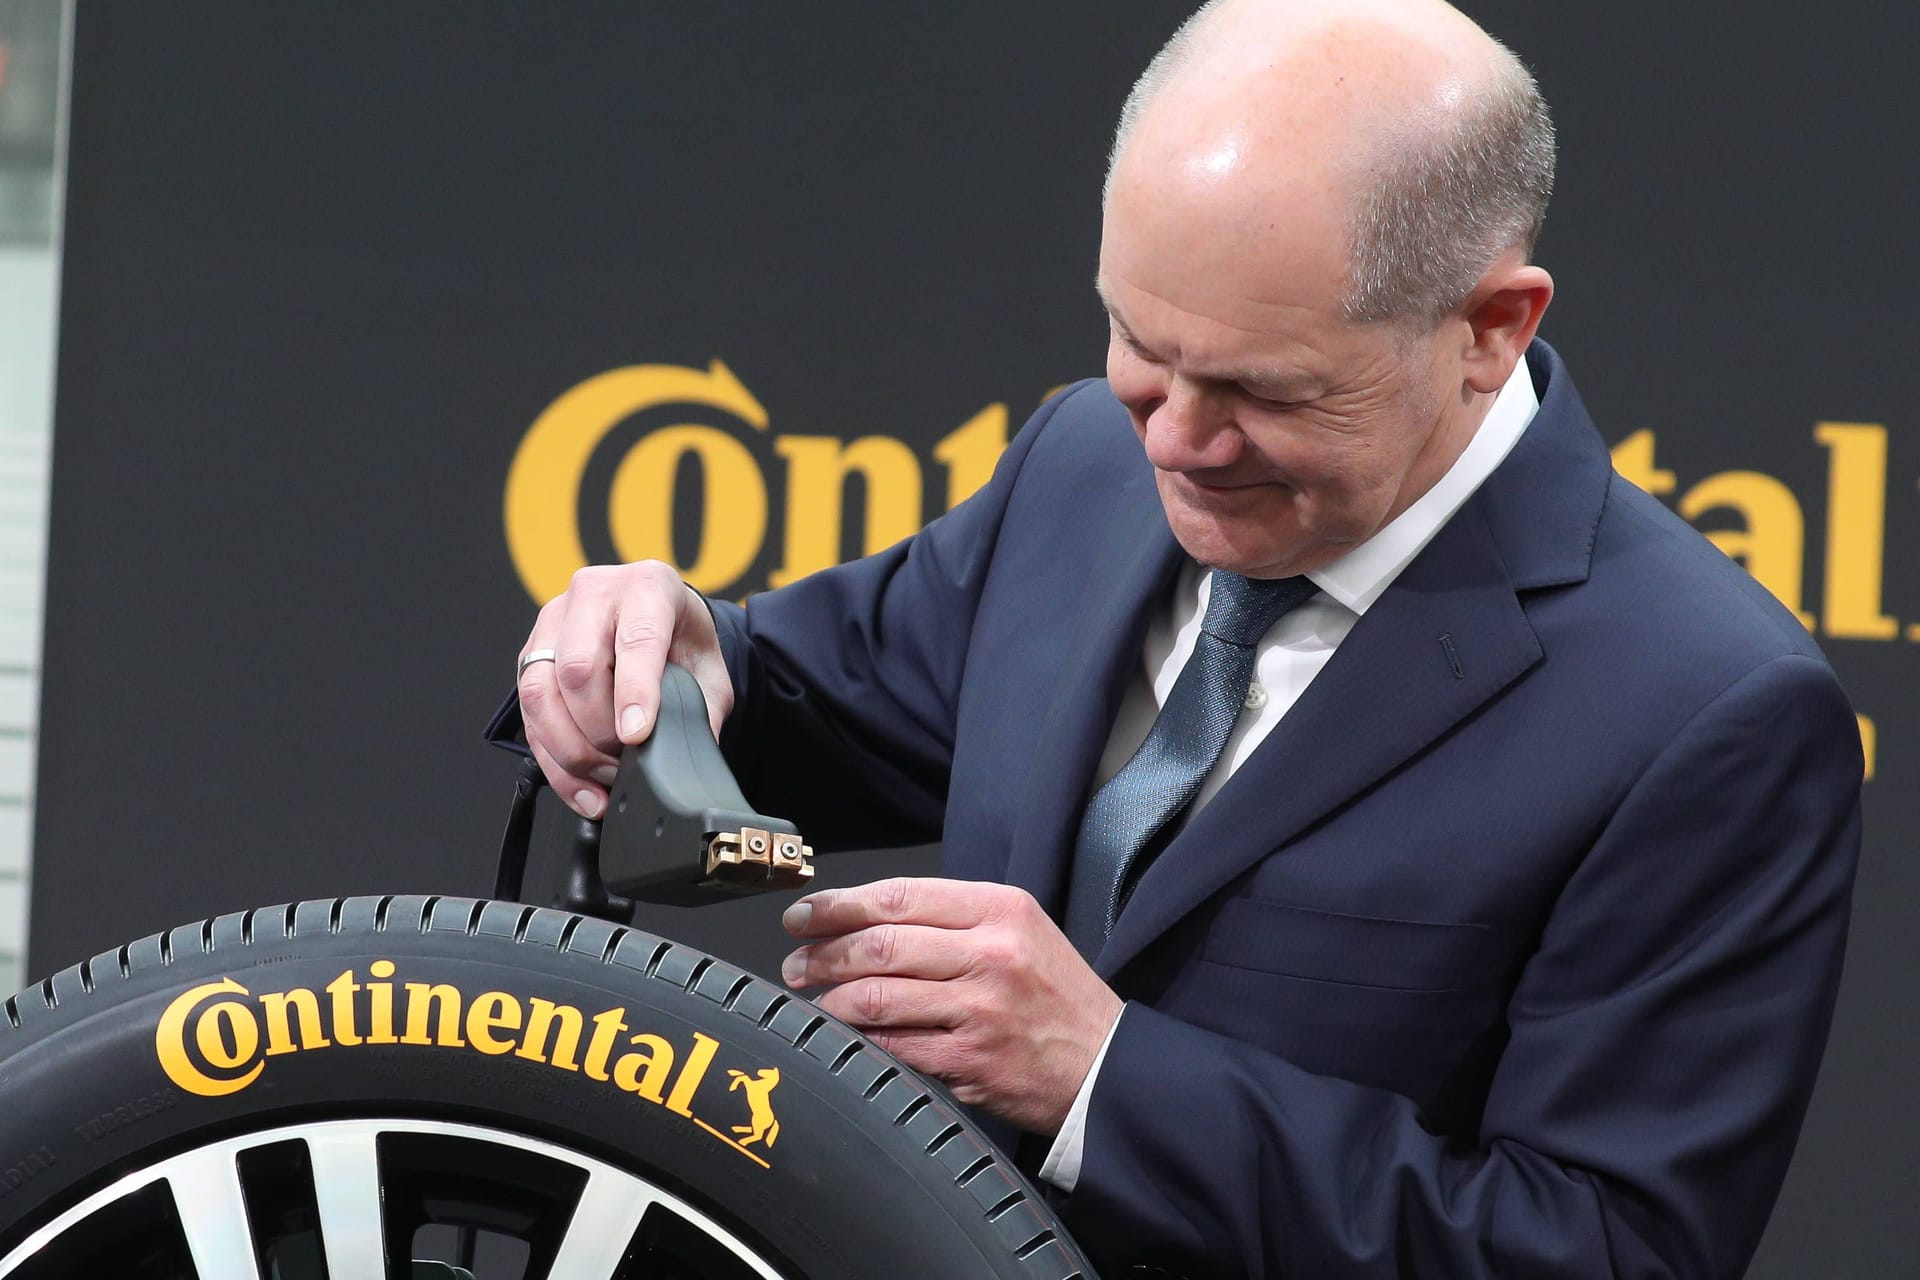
(751, 859)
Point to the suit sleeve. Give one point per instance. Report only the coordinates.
(847, 683)
(1664, 1038)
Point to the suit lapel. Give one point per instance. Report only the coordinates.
(1447, 636)
(1093, 673)
(1392, 688)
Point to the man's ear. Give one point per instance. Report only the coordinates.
(1502, 316)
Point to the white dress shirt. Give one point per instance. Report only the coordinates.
(1289, 656)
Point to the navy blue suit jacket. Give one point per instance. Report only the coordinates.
(1510, 953)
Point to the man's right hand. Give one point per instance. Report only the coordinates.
(612, 632)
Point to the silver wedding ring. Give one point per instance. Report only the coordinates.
(537, 655)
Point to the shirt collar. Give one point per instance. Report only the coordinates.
(1359, 578)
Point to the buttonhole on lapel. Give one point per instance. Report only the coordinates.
(1453, 657)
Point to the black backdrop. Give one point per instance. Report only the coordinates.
(327, 267)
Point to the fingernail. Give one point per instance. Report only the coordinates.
(605, 774)
(795, 917)
(587, 802)
(794, 968)
(632, 721)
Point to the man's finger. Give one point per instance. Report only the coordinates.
(584, 796)
(543, 712)
(696, 646)
(922, 900)
(932, 1051)
(583, 659)
(648, 614)
(901, 950)
(892, 1003)
(549, 722)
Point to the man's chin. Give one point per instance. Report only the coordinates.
(1216, 547)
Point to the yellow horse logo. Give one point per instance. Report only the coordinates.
(765, 1128)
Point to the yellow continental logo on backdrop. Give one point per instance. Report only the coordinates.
(543, 512)
(544, 515)
(219, 1038)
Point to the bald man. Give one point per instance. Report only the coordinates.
(1453, 849)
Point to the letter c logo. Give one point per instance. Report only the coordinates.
(543, 484)
(170, 1040)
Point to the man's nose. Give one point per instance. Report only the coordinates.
(1190, 430)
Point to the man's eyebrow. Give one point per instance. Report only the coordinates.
(1113, 311)
(1127, 335)
(1284, 383)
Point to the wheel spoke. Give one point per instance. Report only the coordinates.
(213, 1215)
(346, 1187)
(603, 1223)
(209, 1196)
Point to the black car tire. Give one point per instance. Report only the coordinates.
(571, 1031)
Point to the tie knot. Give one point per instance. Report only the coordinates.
(1240, 609)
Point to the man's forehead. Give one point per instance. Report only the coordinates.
(1241, 245)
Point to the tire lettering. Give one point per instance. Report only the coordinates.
(213, 1040)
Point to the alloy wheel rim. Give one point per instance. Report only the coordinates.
(239, 1209)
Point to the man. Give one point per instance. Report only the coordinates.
(1490, 925)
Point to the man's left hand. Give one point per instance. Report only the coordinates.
(967, 982)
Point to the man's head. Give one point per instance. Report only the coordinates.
(1318, 219)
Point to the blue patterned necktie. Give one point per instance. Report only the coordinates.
(1118, 834)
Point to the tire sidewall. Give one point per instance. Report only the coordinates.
(118, 1077)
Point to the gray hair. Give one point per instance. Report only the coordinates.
(1439, 206)
(1173, 55)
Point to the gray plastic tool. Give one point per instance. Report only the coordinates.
(677, 829)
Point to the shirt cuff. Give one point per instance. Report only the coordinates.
(1062, 1167)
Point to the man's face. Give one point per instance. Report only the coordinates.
(1281, 434)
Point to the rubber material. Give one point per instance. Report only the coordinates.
(749, 1102)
